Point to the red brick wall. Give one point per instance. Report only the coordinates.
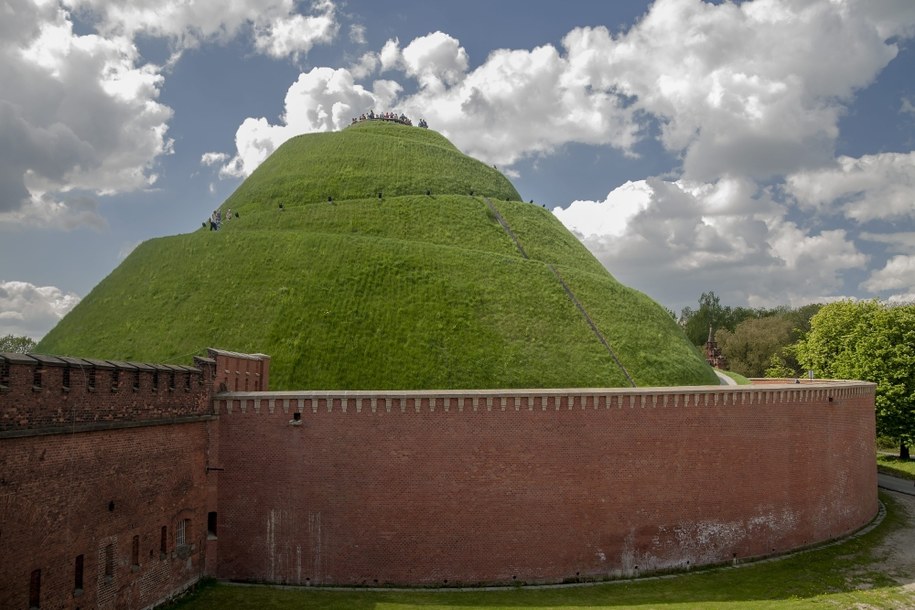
(81, 470)
(25, 407)
(452, 488)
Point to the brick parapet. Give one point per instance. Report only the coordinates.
(44, 394)
(537, 399)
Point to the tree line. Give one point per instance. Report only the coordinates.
(866, 340)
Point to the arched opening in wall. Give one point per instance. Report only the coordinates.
(35, 589)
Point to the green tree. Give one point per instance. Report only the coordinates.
(874, 342)
(751, 346)
(21, 345)
(696, 323)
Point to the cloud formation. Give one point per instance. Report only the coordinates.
(686, 237)
(31, 311)
(79, 113)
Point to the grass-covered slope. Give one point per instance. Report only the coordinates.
(407, 291)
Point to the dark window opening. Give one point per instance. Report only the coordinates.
(35, 589)
(4, 372)
(171, 381)
(115, 379)
(155, 381)
(236, 382)
(90, 379)
(109, 561)
(211, 524)
(37, 376)
(66, 382)
(135, 552)
(187, 382)
(136, 380)
(246, 384)
(163, 542)
(78, 574)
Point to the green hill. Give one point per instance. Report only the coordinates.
(407, 290)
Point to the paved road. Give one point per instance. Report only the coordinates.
(903, 486)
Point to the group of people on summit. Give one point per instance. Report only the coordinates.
(388, 116)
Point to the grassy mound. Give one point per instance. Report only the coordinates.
(405, 291)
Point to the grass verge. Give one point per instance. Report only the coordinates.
(891, 464)
(845, 575)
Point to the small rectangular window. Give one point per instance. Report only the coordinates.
(183, 538)
(37, 376)
(187, 382)
(155, 381)
(78, 574)
(35, 589)
(115, 379)
(163, 542)
(66, 378)
(135, 552)
(90, 378)
(171, 381)
(136, 380)
(109, 561)
(211, 524)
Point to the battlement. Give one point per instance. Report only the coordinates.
(43, 394)
(472, 401)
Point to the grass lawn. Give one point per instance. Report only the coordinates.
(891, 464)
(845, 575)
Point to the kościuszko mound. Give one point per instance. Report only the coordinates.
(381, 257)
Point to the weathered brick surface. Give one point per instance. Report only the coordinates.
(67, 495)
(546, 486)
(83, 467)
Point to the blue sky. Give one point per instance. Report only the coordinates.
(764, 149)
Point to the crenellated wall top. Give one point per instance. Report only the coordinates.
(538, 399)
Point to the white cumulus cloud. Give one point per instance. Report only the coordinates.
(77, 112)
(30, 310)
(897, 274)
(880, 186)
(682, 237)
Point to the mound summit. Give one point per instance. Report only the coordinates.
(381, 257)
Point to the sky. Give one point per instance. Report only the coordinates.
(763, 150)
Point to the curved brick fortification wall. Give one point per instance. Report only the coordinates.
(535, 486)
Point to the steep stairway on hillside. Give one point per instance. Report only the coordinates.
(569, 293)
